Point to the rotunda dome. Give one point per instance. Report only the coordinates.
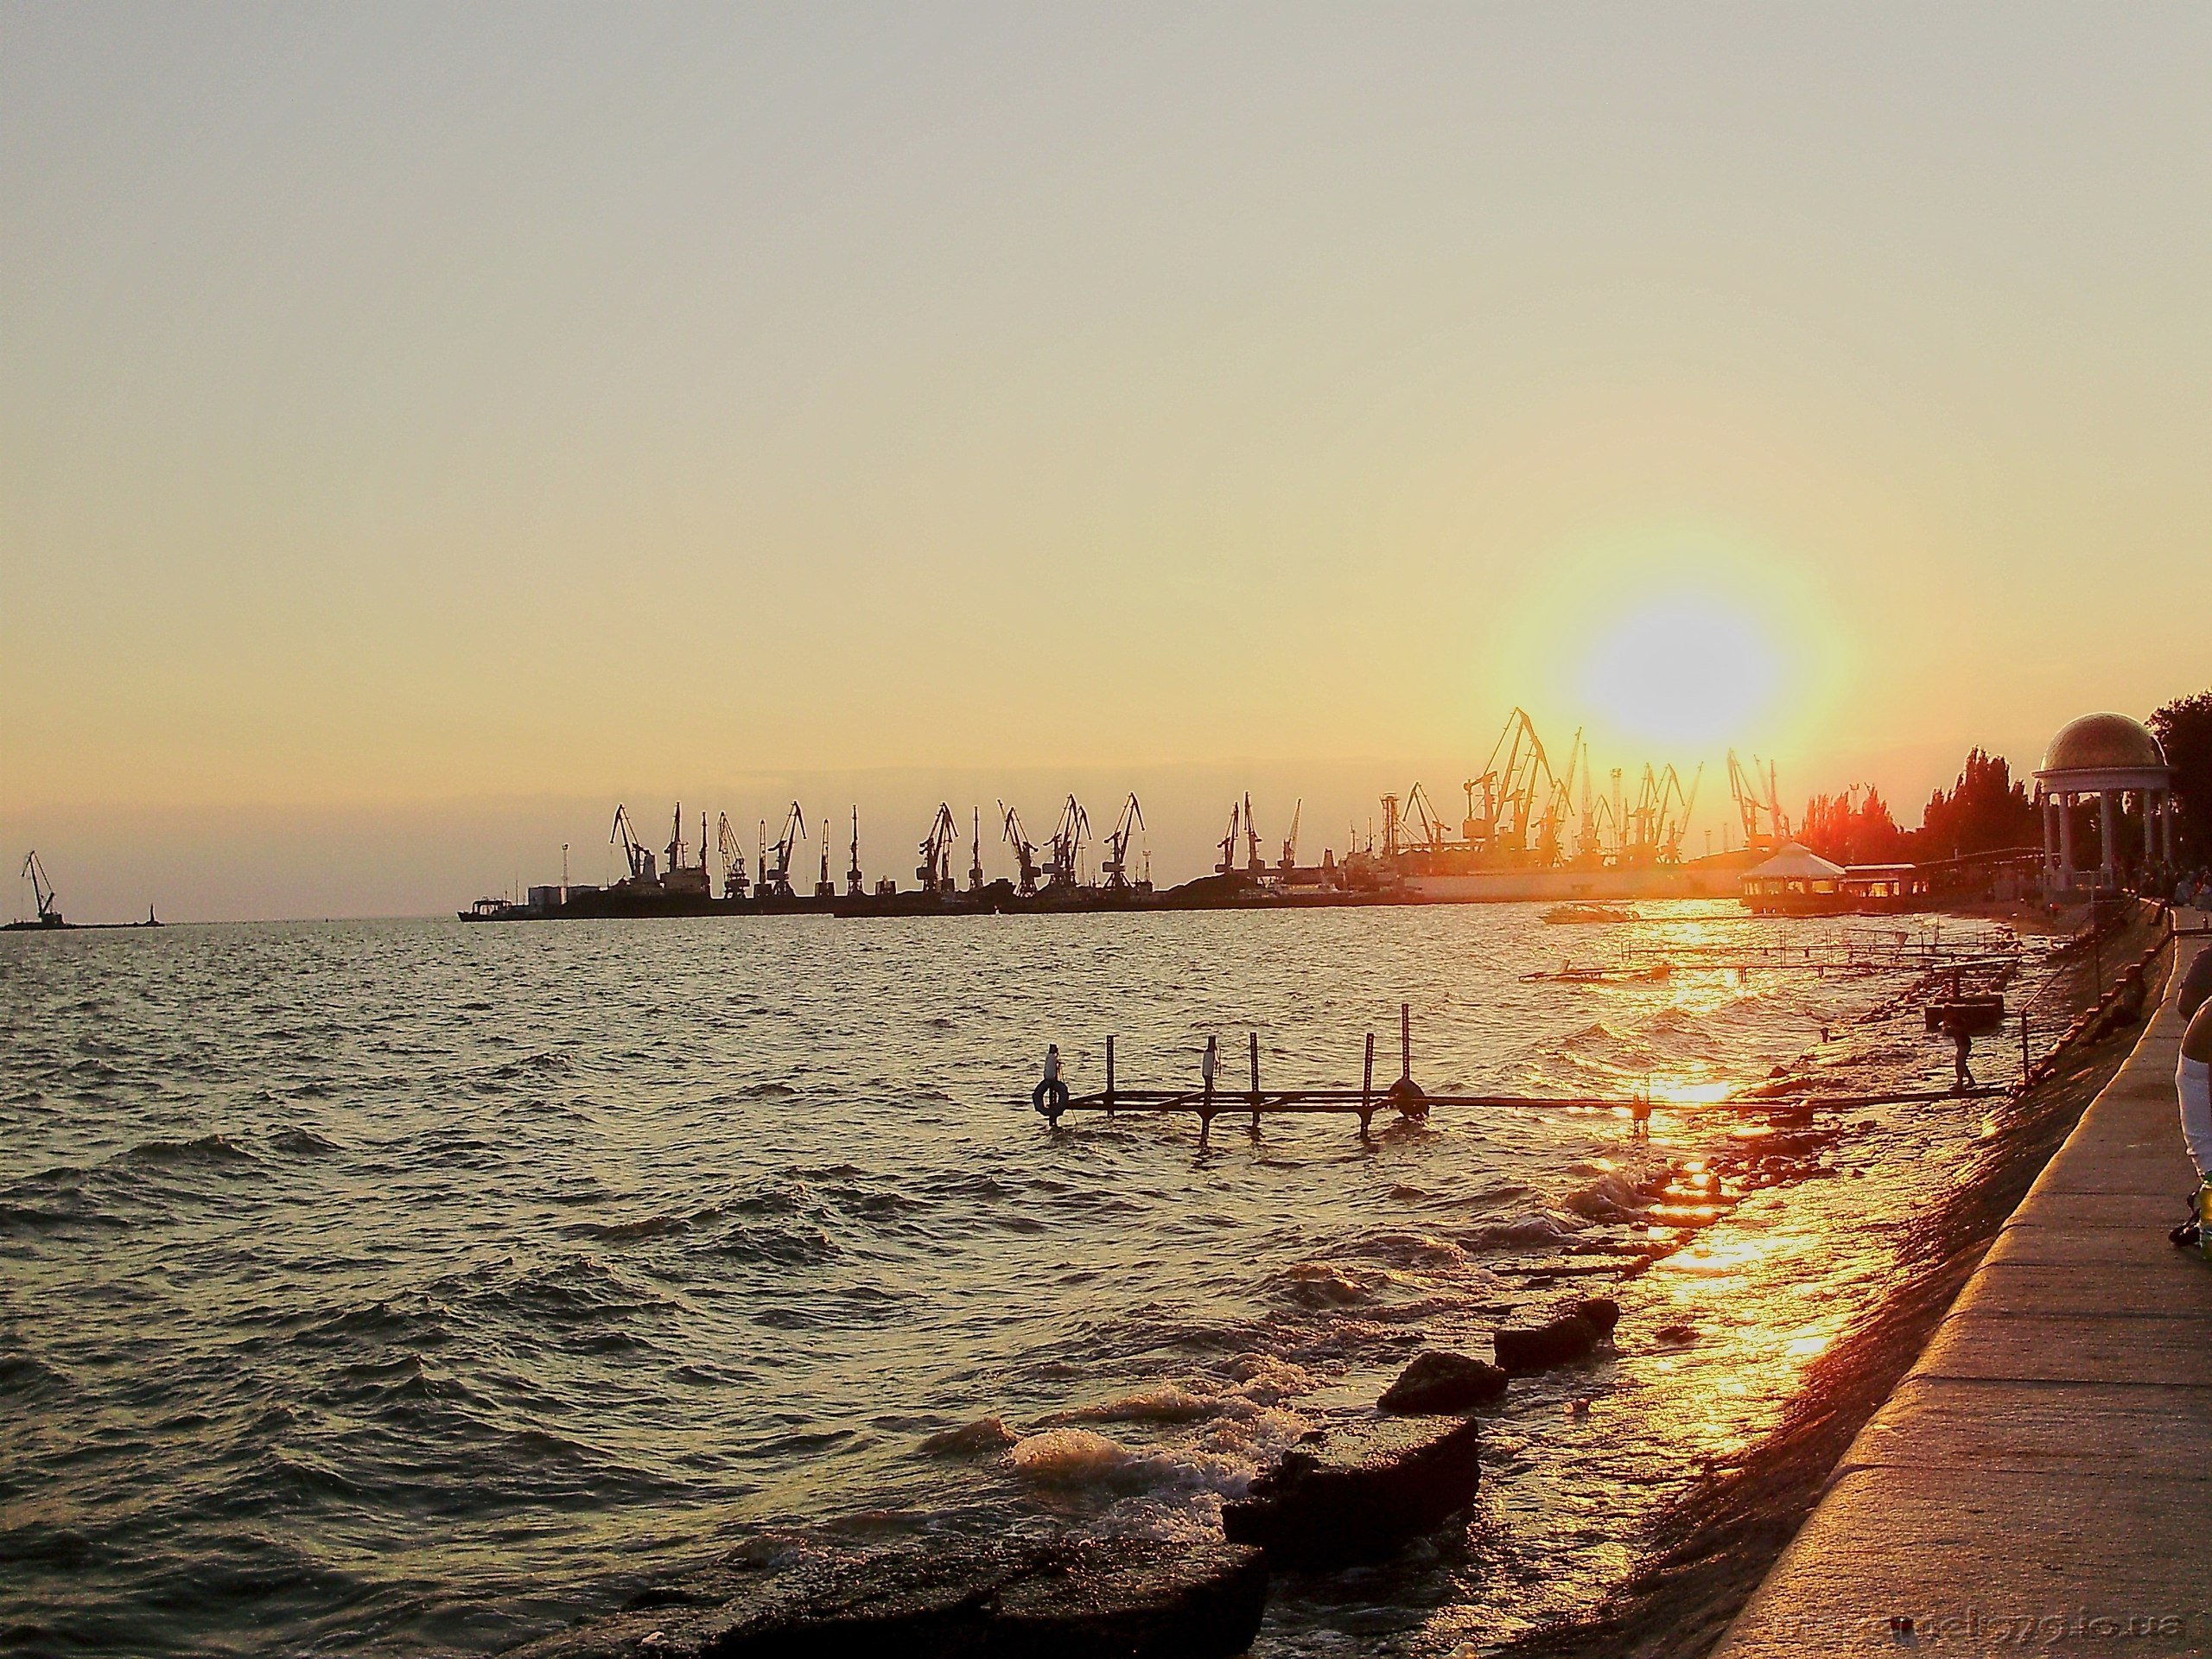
(2103, 743)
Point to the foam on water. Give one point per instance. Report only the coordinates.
(386, 1287)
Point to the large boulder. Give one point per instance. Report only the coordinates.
(1358, 1494)
(1107, 1599)
(1572, 1337)
(1439, 1383)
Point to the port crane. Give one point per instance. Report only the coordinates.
(1254, 864)
(1640, 828)
(1228, 865)
(1746, 787)
(1672, 829)
(776, 878)
(734, 881)
(1559, 809)
(1289, 842)
(1511, 791)
(935, 871)
(853, 870)
(1421, 815)
(1117, 844)
(42, 892)
(1068, 836)
(676, 847)
(1024, 852)
(824, 886)
(976, 851)
(639, 856)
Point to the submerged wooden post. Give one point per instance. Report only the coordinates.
(1109, 1075)
(1367, 1089)
(1406, 1041)
(1255, 1085)
(1206, 1069)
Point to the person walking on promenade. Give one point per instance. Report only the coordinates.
(2193, 1083)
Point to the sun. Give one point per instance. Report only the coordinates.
(1687, 668)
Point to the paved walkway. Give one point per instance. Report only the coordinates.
(2042, 1481)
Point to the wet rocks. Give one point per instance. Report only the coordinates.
(1439, 1383)
(1574, 1336)
(1107, 1598)
(1356, 1494)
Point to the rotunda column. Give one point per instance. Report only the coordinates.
(2107, 834)
(2050, 807)
(2065, 840)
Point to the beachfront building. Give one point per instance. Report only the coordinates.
(1795, 881)
(1885, 887)
(1798, 882)
(2104, 757)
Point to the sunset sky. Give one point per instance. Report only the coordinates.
(422, 427)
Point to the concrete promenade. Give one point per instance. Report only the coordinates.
(2042, 1481)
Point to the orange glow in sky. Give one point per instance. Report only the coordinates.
(406, 408)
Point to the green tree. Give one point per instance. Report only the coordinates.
(1984, 812)
(1848, 829)
(2183, 728)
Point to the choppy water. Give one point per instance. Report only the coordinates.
(386, 1287)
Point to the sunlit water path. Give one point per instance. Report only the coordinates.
(390, 1285)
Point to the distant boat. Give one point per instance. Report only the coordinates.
(1565, 913)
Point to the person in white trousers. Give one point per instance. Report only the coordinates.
(2193, 1084)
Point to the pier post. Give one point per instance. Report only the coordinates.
(1109, 1076)
(1367, 1087)
(1406, 1042)
(1256, 1085)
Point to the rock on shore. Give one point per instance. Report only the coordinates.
(1358, 1494)
(1438, 1383)
(1109, 1598)
(1574, 1336)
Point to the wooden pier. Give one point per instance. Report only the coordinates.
(1411, 1102)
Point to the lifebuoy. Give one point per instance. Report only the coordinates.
(1049, 1097)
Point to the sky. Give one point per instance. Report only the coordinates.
(424, 427)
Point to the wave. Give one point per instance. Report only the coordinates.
(1322, 1283)
(26, 1376)
(792, 1246)
(213, 1150)
(1071, 1457)
(622, 1232)
(1169, 1402)
(985, 1437)
(302, 1143)
(1534, 1230)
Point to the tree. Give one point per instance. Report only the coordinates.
(2183, 729)
(1848, 829)
(1984, 812)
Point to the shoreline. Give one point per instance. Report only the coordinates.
(1710, 1548)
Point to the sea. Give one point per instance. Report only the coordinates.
(417, 1286)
